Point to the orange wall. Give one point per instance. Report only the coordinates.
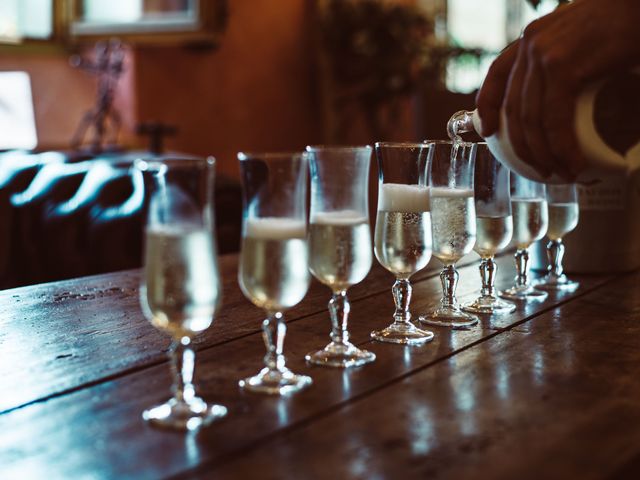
(60, 94)
(256, 92)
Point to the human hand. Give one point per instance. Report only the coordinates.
(537, 79)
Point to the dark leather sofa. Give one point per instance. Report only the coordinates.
(61, 218)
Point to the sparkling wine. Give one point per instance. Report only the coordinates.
(453, 223)
(530, 220)
(563, 218)
(340, 245)
(403, 228)
(274, 272)
(182, 286)
(493, 234)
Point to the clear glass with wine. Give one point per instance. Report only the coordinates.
(453, 223)
(180, 291)
(274, 256)
(494, 228)
(564, 213)
(530, 222)
(339, 241)
(403, 231)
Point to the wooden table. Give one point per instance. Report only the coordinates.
(552, 391)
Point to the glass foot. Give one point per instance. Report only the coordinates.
(451, 317)
(527, 293)
(275, 382)
(489, 305)
(404, 333)
(340, 355)
(182, 415)
(557, 284)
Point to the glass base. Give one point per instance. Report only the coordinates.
(489, 305)
(184, 416)
(527, 293)
(405, 333)
(451, 317)
(275, 382)
(557, 284)
(340, 355)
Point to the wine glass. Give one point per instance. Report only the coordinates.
(180, 291)
(530, 221)
(274, 258)
(339, 241)
(403, 230)
(453, 224)
(494, 227)
(564, 212)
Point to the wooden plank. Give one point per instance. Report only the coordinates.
(97, 431)
(557, 401)
(91, 329)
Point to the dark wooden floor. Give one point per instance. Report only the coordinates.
(552, 391)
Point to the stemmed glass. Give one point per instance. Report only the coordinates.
(180, 290)
(403, 230)
(564, 212)
(274, 258)
(340, 241)
(530, 221)
(453, 223)
(494, 227)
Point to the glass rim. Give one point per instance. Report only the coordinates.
(244, 156)
(401, 144)
(336, 148)
(450, 142)
(173, 161)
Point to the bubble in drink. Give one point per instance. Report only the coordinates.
(181, 291)
(403, 228)
(452, 223)
(274, 263)
(563, 218)
(340, 246)
(530, 220)
(493, 234)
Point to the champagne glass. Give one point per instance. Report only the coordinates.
(494, 227)
(180, 290)
(453, 224)
(564, 212)
(530, 221)
(339, 241)
(403, 230)
(274, 258)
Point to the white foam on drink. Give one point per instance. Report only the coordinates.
(174, 229)
(275, 228)
(339, 217)
(396, 197)
(441, 192)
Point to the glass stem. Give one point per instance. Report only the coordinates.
(182, 365)
(488, 269)
(402, 297)
(339, 309)
(555, 252)
(522, 267)
(273, 332)
(449, 279)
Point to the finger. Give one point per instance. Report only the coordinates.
(491, 94)
(559, 130)
(531, 103)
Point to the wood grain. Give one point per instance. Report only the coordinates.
(95, 429)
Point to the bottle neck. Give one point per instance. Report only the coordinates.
(459, 123)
